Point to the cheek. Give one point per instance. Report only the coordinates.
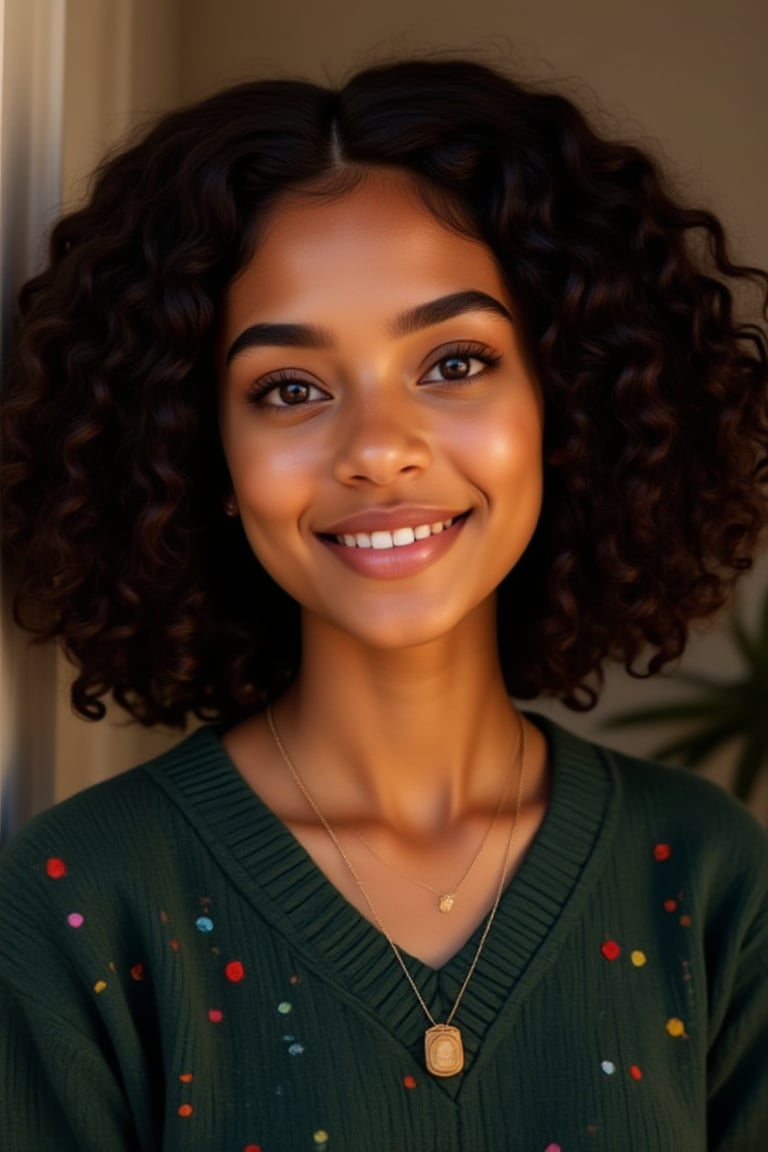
(507, 448)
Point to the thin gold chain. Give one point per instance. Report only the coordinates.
(374, 914)
(445, 893)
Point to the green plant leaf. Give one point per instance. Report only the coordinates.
(694, 748)
(750, 764)
(661, 714)
(717, 712)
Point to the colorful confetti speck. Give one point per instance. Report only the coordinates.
(409, 1081)
(685, 921)
(661, 851)
(638, 958)
(293, 980)
(320, 1137)
(608, 1067)
(670, 905)
(174, 945)
(285, 1007)
(296, 1049)
(553, 1148)
(55, 868)
(137, 972)
(610, 949)
(99, 986)
(675, 1026)
(204, 924)
(185, 1110)
(186, 1077)
(75, 920)
(234, 971)
(635, 1072)
(252, 1148)
(215, 1015)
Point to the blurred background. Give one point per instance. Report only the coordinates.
(685, 77)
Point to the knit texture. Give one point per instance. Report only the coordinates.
(176, 973)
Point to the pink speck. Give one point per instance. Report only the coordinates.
(75, 920)
(215, 1015)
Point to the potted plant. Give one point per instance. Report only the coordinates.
(718, 712)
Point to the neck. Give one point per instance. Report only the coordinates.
(418, 736)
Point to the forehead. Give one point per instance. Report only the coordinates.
(374, 248)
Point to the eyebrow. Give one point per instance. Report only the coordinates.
(414, 319)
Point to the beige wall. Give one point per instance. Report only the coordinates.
(688, 73)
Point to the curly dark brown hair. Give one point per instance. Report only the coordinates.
(655, 394)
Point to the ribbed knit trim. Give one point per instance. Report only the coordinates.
(279, 878)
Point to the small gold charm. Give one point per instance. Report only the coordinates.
(445, 903)
(443, 1050)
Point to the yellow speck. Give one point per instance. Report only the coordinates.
(100, 985)
(321, 1136)
(675, 1027)
(638, 958)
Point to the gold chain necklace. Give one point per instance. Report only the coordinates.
(446, 898)
(443, 1045)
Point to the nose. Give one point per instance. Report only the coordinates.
(380, 441)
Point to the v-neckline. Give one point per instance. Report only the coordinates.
(276, 874)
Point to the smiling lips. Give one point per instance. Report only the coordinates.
(384, 545)
(398, 538)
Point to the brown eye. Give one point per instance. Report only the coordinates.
(294, 392)
(455, 367)
(461, 364)
(285, 392)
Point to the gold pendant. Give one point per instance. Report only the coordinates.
(445, 903)
(443, 1050)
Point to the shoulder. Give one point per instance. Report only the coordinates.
(127, 817)
(675, 821)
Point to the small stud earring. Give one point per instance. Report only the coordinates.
(230, 506)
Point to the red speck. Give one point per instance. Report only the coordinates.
(685, 921)
(293, 980)
(137, 972)
(409, 1081)
(234, 971)
(610, 949)
(55, 868)
(163, 917)
(185, 1110)
(670, 905)
(661, 851)
(252, 1148)
(186, 1077)
(635, 1072)
(215, 1015)
(174, 945)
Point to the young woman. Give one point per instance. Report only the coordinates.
(339, 419)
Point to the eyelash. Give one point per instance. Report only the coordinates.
(261, 388)
(481, 352)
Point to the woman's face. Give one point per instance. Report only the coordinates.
(381, 426)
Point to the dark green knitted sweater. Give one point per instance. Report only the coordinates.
(175, 973)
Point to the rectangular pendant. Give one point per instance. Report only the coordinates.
(443, 1050)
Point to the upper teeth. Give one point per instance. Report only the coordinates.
(397, 539)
